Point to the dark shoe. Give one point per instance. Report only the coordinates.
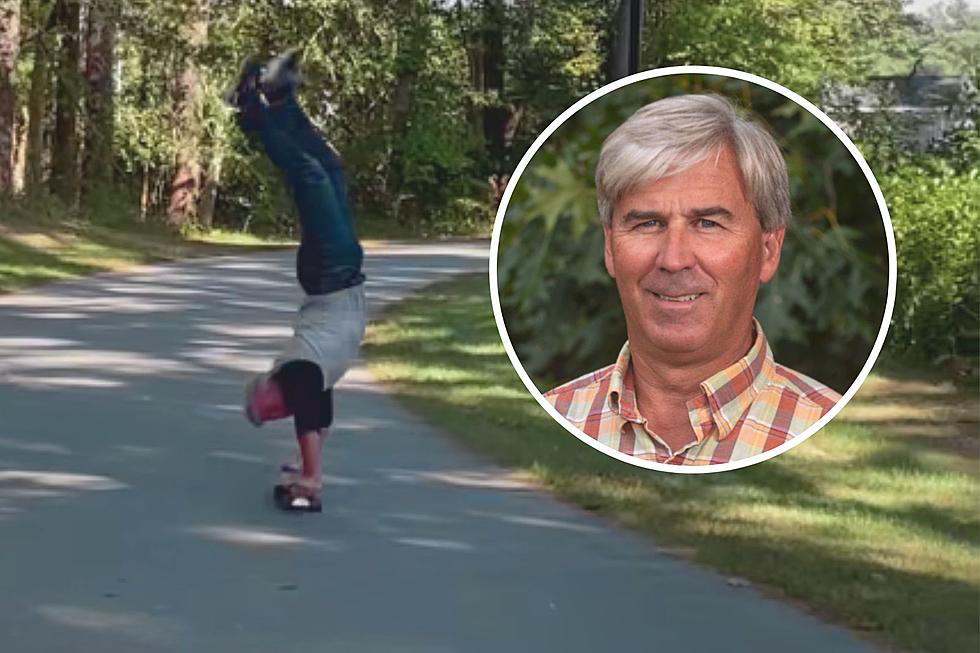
(246, 87)
(245, 98)
(297, 497)
(281, 76)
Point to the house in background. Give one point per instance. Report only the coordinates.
(924, 110)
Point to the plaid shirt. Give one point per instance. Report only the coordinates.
(748, 408)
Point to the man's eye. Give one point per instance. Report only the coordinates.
(650, 224)
(708, 224)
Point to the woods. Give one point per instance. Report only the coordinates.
(112, 109)
(430, 102)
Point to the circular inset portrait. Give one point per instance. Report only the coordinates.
(693, 269)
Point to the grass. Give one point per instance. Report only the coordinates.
(42, 240)
(872, 523)
(40, 248)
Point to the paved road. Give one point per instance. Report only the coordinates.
(134, 513)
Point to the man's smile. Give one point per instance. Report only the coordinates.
(677, 299)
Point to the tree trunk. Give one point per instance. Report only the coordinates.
(185, 190)
(9, 47)
(20, 151)
(64, 161)
(413, 36)
(209, 193)
(496, 113)
(97, 165)
(144, 192)
(37, 101)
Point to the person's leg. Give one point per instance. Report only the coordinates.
(290, 117)
(279, 81)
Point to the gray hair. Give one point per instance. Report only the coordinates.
(671, 135)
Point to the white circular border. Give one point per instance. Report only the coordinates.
(664, 72)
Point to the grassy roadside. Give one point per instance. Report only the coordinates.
(873, 523)
(37, 251)
(38, 243)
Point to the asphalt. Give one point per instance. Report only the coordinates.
(135, 512)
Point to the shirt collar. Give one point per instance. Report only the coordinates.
(622, 397)
(727, 394)
(731, 391)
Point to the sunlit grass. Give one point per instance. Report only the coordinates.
(226, 237)
(49, 249)
(871, 523)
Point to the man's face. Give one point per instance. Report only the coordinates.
(688, 255)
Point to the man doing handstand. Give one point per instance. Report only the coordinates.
(330, 325)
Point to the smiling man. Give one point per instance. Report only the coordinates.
(694, 203)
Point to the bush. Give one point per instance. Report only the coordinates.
(935, 212)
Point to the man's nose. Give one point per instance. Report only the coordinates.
(676, 251)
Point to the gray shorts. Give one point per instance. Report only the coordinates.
(328, 331)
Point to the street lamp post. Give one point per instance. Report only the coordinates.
(624, 56)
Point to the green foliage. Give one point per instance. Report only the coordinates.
(935, 211)
(802, 44)
(825, 304)
(555, 56)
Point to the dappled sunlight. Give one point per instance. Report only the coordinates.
(441, 545)
(415, 518)
(51, 315)
(250, 537)
(237, 456)
(264, 306)
(138, 626)
(248, 331)
(42, 382)
(151, 289)
(12, 344)
(933, 415)
(482, 349)
(361, 424)
(502, 480)
(425, 250)
(220, 411)
(877, 384)
(89, 305)
(226, 358)
(29, 493)
(241, 265)
(34, 447)
(261, 282)
(333, 479)
(58, 480)
(102, 360)
(537, 522)
(360, 379)
(384, 281)
(435, 374)
(856, 536)
(887, 411)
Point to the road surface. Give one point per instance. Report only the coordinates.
(135, 511)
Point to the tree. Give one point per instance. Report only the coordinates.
(97, 165)
(43, 18)
(64, 163)
(9, 46)
(802, 44)
(185, 190)
(495, 113)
